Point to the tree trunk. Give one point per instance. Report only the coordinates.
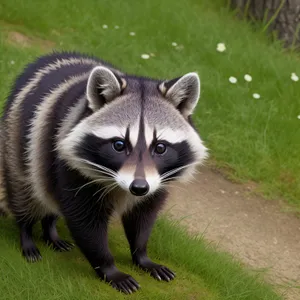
(283, 15)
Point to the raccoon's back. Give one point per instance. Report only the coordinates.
(40, 102)
(43, 76)
(56, 79)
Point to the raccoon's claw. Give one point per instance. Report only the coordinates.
(32, 254)
(162, 273)
(60, 245)
(122, 282)
(157, 271)
(125, 284)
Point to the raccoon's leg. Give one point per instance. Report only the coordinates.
(50, 234)
(87, 215)
(90, 235)
(88, 224)
(138, 224)
(29, 249)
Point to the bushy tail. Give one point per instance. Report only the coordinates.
(4, 211)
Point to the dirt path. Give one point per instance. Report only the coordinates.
(253, 229)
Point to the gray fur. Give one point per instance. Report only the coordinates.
(102, 77)
(27, 205)
(185, 93)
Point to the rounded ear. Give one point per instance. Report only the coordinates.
(183, 92)
(103, 86)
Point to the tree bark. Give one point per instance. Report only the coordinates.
(285, 15)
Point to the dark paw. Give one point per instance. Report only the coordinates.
(162, 273)
(32, 254)
(157, 271)
(120, 281)
(60, 245)
(125, 284)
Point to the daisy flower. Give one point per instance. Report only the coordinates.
(294, 77)
(232, 80)
(248, 77)
(221, 47)
(145, 56)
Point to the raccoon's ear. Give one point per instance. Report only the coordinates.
(103, 86)
(183, 92)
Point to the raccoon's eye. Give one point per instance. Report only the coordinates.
(119, 145)
(160, 148)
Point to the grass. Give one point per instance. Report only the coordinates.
(202, 273)
(257, 140)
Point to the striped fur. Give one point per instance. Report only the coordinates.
(63, 120)
(22, 166)
(3, 201)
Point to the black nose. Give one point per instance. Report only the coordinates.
(139, 187)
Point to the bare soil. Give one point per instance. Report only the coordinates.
(255, 230)
(21, 40)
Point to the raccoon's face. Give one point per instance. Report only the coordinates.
(139, 136)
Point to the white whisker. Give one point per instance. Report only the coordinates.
(108, 189)
(99, 168)
(189, 180)
(104, 188)
(97, 171)
(100, 180)
(173, 186)
(171, 172)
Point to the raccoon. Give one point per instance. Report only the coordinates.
(84, 141)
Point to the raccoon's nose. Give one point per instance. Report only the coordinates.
(139, 187)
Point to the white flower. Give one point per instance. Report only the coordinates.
(294, 77)
(221, 47)
(12, 62)
(117, 27)
(174, 44)
(248, 77)
(256, 96)
(298, 117)
(232, 79)
(145, 56)
(104, 26)
(132, 33)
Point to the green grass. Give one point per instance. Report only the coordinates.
(256, 140)
(202, 273)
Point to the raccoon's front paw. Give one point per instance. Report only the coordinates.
(157, 271)
(124, 283)
(31, 253)
(60, 245)
(120, 281)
